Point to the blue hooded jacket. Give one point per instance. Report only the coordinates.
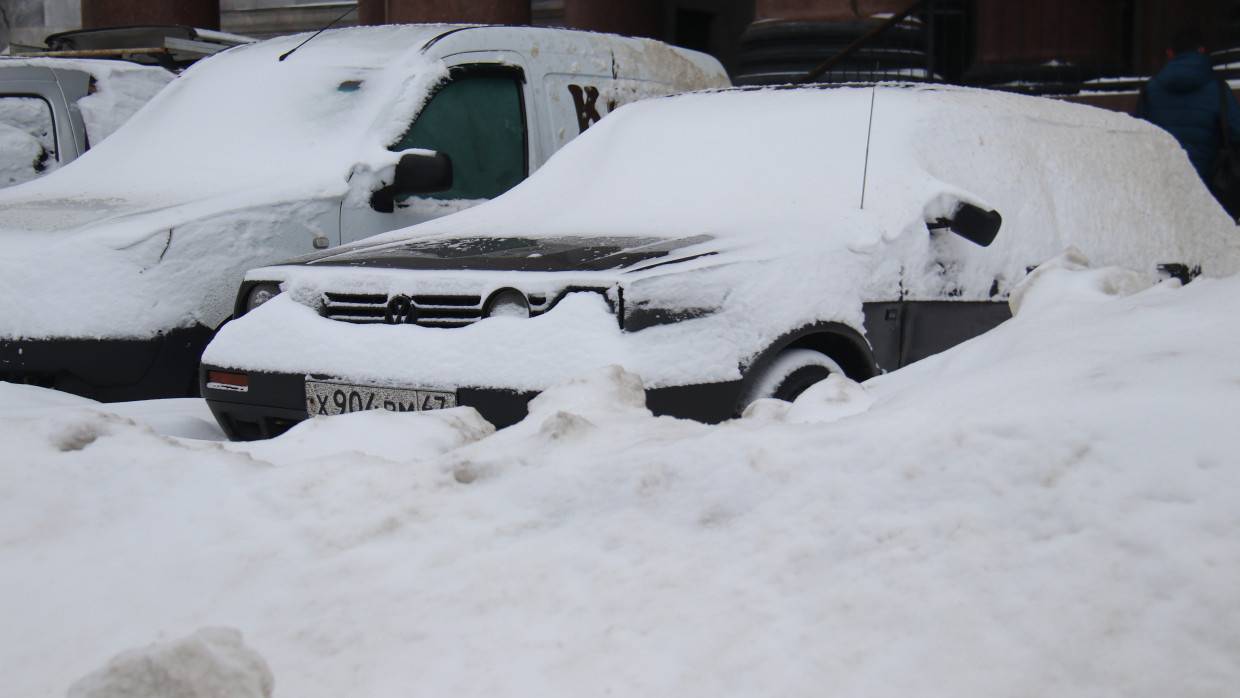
(1183, 99)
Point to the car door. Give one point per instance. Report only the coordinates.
(951, 296)
(478, 118)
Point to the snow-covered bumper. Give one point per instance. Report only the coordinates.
(108, 369)
(261, 374)
(272, 403)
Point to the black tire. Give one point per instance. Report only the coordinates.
(791, 373)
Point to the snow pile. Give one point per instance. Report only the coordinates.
(186, 418)
(1045, 510)
(211, 663)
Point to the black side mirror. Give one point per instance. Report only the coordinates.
(416, 173)
(973, 223)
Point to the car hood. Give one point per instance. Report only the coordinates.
(36, 219)
(584, 253)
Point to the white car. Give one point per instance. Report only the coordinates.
(723, 246)
(279, 148)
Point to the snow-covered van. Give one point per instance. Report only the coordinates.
(53, 109)
(117, 270)
(735, 245)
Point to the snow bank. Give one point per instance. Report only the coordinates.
(211, 663)
(181, 417)
(1045, 510)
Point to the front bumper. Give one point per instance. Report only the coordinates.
(109, 370)
(275, 402)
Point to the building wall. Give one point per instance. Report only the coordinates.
(24, 23)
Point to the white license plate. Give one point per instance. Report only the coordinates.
(326, 398)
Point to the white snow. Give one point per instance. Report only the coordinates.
(211, 663)
(1048, 509)
(20, 152)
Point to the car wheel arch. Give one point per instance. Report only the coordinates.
(835, 340)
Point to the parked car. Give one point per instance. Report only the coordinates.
(274, 149)
(725, 247)
(52, 110)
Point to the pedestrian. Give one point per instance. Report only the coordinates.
(1188, 100)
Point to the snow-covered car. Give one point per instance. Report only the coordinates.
(54, 109)
(724, 246)
(117, 270)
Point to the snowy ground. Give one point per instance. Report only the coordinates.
(1048, 510)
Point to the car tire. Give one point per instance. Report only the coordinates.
(790, 374)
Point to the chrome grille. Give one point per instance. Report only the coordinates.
(429, 310)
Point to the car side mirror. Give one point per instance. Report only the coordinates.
(416, 173)
(973, 223)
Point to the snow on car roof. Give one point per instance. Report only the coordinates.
(772, 162)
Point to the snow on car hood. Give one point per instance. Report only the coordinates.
(204, 178)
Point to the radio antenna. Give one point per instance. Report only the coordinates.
(329, 26)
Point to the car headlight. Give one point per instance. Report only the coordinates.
(507, 302)
(261, 293)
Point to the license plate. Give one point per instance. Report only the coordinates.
(326, 398)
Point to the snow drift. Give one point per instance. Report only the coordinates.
(1045, 510)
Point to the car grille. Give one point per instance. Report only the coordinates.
(429, 310)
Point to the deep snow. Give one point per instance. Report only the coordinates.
(1046, 510)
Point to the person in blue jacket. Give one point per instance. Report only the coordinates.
(1184, 100)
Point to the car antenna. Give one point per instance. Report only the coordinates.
(329, 26)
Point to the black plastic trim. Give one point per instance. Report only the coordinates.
(109, 370)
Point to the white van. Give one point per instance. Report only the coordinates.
(54, 109)
(118, 270)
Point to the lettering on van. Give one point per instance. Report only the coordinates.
(585, 101)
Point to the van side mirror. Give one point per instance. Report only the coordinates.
(973, 223)
(416, 173)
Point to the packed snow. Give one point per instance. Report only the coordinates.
(211, 663)
(774, 179)
(1048, 509)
